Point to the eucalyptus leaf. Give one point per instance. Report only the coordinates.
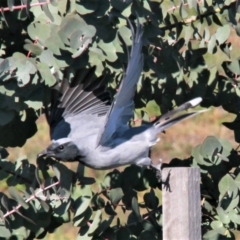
(135, 208)
(96, 222)
(4, 231)
(234, 216)
(13, 192)
(226, 184)
(183, 11)
(46, 75)
(83, 205)
(210, 147)
(223, 215)
(223, 33)
(6, 116)
(36, 50)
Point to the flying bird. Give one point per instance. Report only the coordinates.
(86, 126)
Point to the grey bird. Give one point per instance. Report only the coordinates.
(85, 127)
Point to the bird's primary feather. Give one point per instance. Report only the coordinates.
(122, 107)
(82, 94)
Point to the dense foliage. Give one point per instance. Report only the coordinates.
(191, 49)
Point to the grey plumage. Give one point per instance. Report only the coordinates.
(85, 127)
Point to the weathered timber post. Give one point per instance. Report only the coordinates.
(181, 204)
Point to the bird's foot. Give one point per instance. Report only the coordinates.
(157, 168)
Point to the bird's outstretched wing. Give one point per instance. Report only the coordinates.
(122, 107)
(85, 93)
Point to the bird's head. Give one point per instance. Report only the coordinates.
(62, 149)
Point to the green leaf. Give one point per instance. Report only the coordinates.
(210, 147)
(81, 49)
(109, 49)
(226, 48)
(3, 153)
(61, 206)
(152, 109)
(237, 180)
(56, 171)
(206, 34)
(233, 67)
(131, 176)
(234, 217)
(225, 185)
(5, 202)
(26, 218)
(126, 35)
(135, 208)
(211, 234)
(65, 178)
(97, 202)
(212, 45)
(10, 4)
(104, 225)
(96, 222)
(216, 224)
(54, 2)
(34, 104)
(223, 33)
(116, 195)
(147, 235)
(6, 116)
(120, 5)
(199, 158)
(4, 231)
(109, 209)
(39, 31)
(83, 204)
(112, 179)
(36, 50)
(223, 216)
(44, 205)
(234, 203)
(54, 43)
(81, 220)
(46, 75)
(5, 65)
(86, 7)
(182, 10)
(14, 194)
(75, 39)
(46, 10)
(47, 57)
(151, 200)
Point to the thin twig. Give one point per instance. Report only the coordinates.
(29, 199)
(23, 6)
(29, 53)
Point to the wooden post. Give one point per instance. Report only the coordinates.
(181, 204)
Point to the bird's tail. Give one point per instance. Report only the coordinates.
(174, 116)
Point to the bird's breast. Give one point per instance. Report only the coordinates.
(111, 157)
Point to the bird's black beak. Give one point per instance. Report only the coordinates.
(42, 154)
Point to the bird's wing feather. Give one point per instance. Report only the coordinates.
(85, 94)
(122, 107)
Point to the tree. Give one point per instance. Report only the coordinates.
(190, 50)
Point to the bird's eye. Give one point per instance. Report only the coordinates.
(61, 147)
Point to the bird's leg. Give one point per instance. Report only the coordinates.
(157, 168)
(148, 162)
